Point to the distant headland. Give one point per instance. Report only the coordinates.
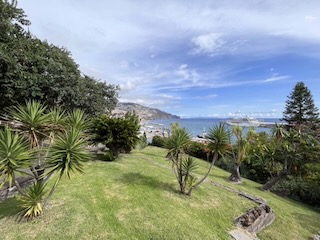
(145, 113)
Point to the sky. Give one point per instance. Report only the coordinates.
(212, 58)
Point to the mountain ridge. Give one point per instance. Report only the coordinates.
(146, 113)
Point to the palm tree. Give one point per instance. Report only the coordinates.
(219, 145)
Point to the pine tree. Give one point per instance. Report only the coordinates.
(300, 107)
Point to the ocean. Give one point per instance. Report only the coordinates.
(197, 126)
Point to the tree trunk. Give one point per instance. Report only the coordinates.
(215, 157)
(51, 192)
(16, 183)
(235, 175)
(277, 178)
(274, 180)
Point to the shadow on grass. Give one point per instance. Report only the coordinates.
(10, 208)
(139, 179)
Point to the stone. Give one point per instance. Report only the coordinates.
(239, 234)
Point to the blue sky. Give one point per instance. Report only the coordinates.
(190, 58)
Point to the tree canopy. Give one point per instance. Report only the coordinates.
(34, 69)
(300, 107)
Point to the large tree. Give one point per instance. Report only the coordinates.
(300, 107)
(34, 69)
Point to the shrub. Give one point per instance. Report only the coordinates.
(120, 135)
(196, 149)
(159, 141)
(300, 189)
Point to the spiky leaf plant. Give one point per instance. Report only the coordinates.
(67, 155)
(32, 120)
(32, 201)
(77, 119)
(14, 155)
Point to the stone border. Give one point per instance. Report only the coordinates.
(256, 219)
(11, 192)
(253, 220)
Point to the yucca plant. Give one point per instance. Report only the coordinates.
(66, 156)
(241, 151)
(177, 144)
(77, 119)
(32, 201)
(32, 121)
(55, 140)
(57, 123)
(14, 156)
(219, 146)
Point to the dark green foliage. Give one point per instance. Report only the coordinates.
(301, 189)
(159, 141)
(300, 107)
(34, 69)
(197, 149)
(120, 135)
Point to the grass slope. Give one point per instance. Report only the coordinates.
(136, 197)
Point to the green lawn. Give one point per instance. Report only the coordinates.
(136, 197)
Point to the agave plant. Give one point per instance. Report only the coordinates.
(14, 156)
(32, 201)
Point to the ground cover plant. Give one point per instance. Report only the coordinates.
(136, 197)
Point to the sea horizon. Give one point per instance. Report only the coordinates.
(200, 125)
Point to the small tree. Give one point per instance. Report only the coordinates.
(300, 107)
(118, 134)
(37, 140)
(240, 152)
(183, 165)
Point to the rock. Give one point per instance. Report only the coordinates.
(317, 236)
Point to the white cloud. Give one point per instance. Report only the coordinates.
(208, 43)
(310, 19)
(210, 96)
(145, 47)
(187, 74)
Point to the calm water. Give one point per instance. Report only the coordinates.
(196, 126)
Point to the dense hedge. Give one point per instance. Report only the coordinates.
(159, 141)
